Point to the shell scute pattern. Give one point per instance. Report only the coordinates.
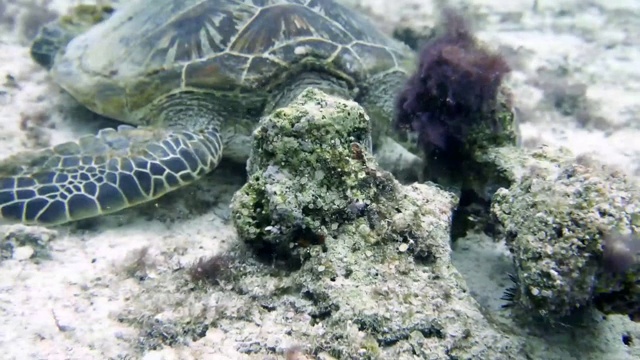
(268, 44)
(374, 58)
(280, 24)
(254, 74)
(233, 46)
(213, 73)
(229, 33)
(188, 31)
(290, 52)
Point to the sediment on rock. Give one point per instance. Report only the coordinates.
(371, 258)
(556, 218)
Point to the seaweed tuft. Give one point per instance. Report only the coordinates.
(457, 79)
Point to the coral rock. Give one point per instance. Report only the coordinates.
(557, 217)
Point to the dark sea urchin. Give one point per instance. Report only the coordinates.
(510, 294)
(456, 79)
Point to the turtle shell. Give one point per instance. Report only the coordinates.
(148, 49)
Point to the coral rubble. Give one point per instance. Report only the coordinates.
(561, 218)
(370, 256)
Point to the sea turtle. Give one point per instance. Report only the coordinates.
(192, 78)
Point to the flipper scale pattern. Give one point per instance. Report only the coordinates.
(103, 173)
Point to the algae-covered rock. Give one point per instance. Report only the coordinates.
(309, 173)
(376, 281)
(397, 298)
(379, 286)
(555, 218)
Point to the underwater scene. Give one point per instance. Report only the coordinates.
(320, 179)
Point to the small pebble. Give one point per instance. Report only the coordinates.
(23, 253)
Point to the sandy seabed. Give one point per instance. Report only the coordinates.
(576, 82)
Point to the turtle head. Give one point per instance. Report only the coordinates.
(54, 36)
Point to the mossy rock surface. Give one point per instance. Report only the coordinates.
(310, 172)
(555, 217)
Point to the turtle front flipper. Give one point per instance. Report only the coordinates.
(54, 36)
(103, 173)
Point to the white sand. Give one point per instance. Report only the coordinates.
(82, 284)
